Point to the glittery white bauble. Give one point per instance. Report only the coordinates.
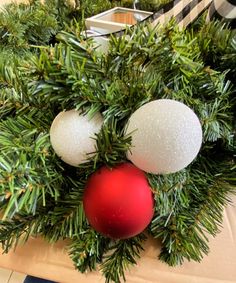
(72, 134)
(166, 136)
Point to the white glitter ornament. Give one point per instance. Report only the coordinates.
(72, 134)
(166, 136)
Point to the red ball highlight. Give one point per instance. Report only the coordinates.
(118, 202)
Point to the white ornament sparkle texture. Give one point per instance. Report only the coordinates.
(166, 136)
(71, 136)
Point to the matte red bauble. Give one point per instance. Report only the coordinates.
(118, 202)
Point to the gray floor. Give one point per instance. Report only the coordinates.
(9, 276)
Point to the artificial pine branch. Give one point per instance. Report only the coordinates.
(25, 24)
(13, 231)
(191, 212)
(27, 178)
(186, 211)
(123, 254)
(87, 250)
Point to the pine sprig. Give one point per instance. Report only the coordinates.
(185, 236)
(66, 219)
(23, 25)
(14, 231)
(123, 254)
(112, 145)
(21, 227)
(87, 250)
(27, 175)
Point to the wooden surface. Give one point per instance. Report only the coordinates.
(119, 17)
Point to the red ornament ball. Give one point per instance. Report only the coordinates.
(118, 202)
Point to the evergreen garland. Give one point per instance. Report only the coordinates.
(47, 66)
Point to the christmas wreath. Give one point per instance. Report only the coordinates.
(106, 148)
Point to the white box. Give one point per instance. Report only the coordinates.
(115, 19)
